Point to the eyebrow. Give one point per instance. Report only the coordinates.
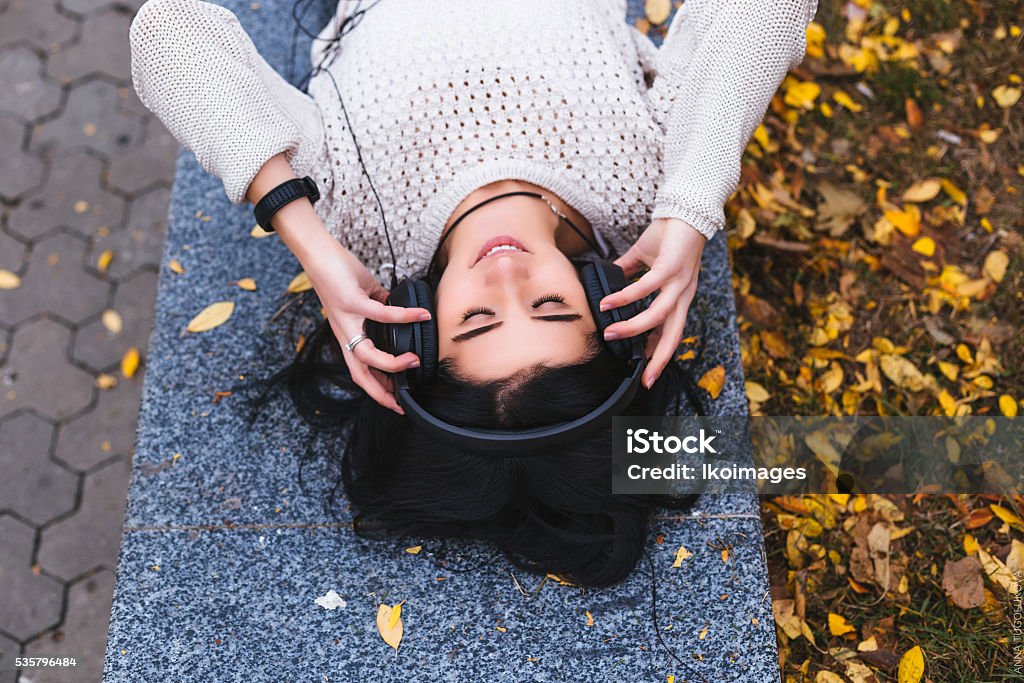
(558, 318)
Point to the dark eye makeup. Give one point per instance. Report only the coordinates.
(557, 298)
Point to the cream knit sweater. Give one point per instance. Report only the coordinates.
(445, 96)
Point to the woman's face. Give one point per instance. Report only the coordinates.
(508, 297)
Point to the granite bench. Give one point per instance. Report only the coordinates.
(223, 555)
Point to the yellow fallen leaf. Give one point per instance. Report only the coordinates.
(681, 555)
(950, 370)
(247, 283)
(9, 280)
(657, 11)
(869, 645)
(954, 192)
(299, 283)
(590, 619)
(1008, 405)
(713, 381)
(997, 572)
(970, 545)
(105, 381)
(844, 100)
(907, 221)
(911, 666)
(111, 320)
(924, 245)
(1008, 516)
(923, 191)
(212, 316)
(415, 550)
(826, 676)
(838, 625)
(175, 267)
(258, 232)
(1005, 96)
(389, 624)
(756, 392)
(130, 362)
(995, 265)
(801, 94)
(103, 262)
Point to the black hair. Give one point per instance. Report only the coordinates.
(549, 512)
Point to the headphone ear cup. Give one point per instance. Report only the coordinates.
(427, 371)
(418, 337)
(601, 278)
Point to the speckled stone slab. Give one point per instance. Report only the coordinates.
(223, 554)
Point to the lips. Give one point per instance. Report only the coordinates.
(502, 244)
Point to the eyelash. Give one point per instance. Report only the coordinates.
(535, 303)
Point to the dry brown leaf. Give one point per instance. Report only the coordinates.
(878, 547)
(713, 381)
(838, 209)
(681, 555)
(175, 267)
(212, 316)
(963, 583)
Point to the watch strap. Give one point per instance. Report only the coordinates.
(286, 192)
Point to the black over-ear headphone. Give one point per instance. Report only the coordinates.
(599, 278)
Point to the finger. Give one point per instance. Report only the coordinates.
(373, 387)
(368, 354)
(630, 262)
(382, 313)
(672, 333)
(647, 319)
(650, 281)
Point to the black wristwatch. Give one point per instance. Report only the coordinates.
(286, 192)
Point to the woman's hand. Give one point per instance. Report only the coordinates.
(350, 295)
(671, 249)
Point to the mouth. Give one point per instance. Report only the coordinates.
(500, 245)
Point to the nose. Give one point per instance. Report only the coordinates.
(506, 270)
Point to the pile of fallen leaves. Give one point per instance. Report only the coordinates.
(877, 251)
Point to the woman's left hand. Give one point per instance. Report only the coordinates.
(671, 249)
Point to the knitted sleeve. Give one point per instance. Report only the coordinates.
(720, 64)
(195, 67)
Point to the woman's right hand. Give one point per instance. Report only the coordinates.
(350, 295)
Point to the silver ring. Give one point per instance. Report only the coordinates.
(354, 340)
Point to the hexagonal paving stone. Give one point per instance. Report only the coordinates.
(108, 429)
(26, 92)
(73, 197)
(8, 648)
(83, 633)
(12, 253)
(31, 603)
(56, 283)
(140, 243)
(92, 118)
(103, 48)
(34, 486)
(148, 164)
(91, 537)
(38, 374)
(36, 22)
(98, 347)
(21, 171)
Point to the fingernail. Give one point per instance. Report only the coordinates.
(610, 336)
(414, 364)
(604, 307)
(424, 316)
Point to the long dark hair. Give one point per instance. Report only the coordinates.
(548, 512)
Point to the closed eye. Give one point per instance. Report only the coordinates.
(557, 298)
(476, 311)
